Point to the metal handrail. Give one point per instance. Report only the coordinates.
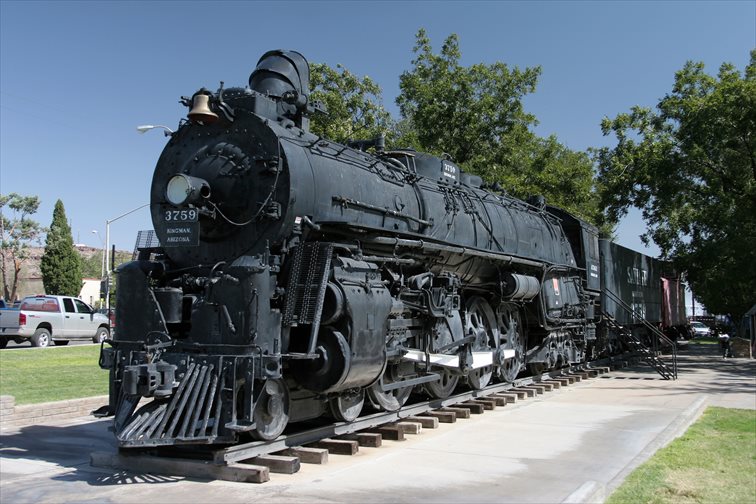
(655, 331)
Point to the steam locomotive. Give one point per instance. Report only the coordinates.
(298, 278)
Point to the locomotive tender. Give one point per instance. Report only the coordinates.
(298, 277)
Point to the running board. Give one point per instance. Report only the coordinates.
(480, 359)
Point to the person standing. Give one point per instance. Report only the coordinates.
(724, 344)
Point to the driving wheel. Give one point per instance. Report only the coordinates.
(444, 387)
(481, 323)
(511, 338)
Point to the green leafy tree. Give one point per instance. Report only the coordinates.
(18, 233)
(464, 112)
(354, 108)
(690, 166)
(475, 115)
(563, 176)
(61, 263)
(91, 266)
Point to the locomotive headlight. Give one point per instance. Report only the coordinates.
(182, 189)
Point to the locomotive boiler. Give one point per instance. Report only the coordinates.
(298, 278)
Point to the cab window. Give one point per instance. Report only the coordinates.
(82, 307)
(68, 305)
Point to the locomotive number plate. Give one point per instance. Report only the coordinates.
(181, 227)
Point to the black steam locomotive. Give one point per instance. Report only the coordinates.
(297, 277)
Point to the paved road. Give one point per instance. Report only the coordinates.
(585, 436)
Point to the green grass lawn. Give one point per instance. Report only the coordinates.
(713, 462)
(52, 374)
(704, 340)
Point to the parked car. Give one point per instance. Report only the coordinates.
(5, 305)
(8, 319)
(700, 329)
(52, 319)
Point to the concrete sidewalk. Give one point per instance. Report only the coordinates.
(576, 443)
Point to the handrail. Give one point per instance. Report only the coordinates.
(655, 331)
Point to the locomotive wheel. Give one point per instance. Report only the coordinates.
(391, 400)
(481, 322)
(346, 406)
(510, 332)
(330, 368)
(444, 387)
(271, 410)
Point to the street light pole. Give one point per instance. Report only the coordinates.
(102, 270)
(107, 249)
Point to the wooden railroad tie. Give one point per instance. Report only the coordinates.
(488, 404)
(507, 396)
(474, 407)
(307, 455)
(521, 394)
(459, 412)
(441, 416)
(499, 401)
(428, 422)
(554, 383)
(528, 391)
(366, 439)
(281, 464)
(409, 427)
(548, 387)
(338, 446)
(390, 432)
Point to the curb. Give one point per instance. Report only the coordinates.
(675, 429)
(595, 492)
(30, 414)
(589, 492)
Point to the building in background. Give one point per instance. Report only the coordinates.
(90, 291)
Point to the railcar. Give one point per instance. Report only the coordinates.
(640, 293)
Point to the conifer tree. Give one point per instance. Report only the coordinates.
(60, 264)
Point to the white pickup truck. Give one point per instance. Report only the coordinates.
(52, 319)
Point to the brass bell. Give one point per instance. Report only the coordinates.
(201, 109)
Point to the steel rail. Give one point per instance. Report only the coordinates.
(253, 449)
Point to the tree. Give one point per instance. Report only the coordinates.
(91, 267)
(463, 111)
(61, 263)
(563, 176)
(474, 114)
(17, 234)
(354, 105)
(690, 166)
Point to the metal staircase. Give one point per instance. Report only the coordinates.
(668, 370)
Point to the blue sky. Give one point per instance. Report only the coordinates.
(76, 78)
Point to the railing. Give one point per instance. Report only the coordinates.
(656, 338)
